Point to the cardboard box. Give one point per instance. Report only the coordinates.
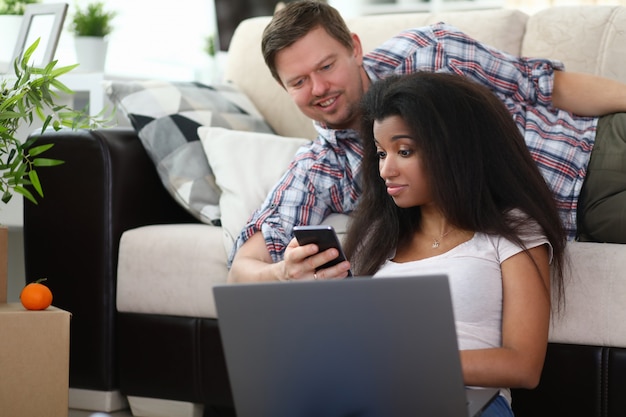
(34, 361)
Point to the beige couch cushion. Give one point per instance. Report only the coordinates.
(587, 39)
(170, 269)
(500, 28)
(595, 294)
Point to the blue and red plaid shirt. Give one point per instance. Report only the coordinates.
(323, 178)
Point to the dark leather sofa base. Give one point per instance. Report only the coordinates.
(585, 381)
(178, 358)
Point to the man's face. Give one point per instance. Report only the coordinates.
(324, 79)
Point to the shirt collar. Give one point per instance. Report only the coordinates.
(332, 136)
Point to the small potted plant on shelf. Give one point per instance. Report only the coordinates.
(91, 26)
(28, 94)
(208, 72)
(15, 7)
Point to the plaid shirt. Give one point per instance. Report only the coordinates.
(321, 180)
(324, 179)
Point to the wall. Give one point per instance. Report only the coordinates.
(162, 41)
(532, 6)
(16, 273)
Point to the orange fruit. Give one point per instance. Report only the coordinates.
(36, 296)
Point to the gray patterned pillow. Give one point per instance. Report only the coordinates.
(166, 117)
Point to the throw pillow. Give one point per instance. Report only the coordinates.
(246, 166)
(166, 117)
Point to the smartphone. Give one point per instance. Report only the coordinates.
(324, 237)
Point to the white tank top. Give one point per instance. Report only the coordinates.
(475, 277)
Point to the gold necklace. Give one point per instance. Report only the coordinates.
(437, 242)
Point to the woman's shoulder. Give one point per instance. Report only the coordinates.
(525, 226)
(527, 229)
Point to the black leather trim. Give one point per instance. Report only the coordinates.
(158, 356)
(106, 186)
(585, 381)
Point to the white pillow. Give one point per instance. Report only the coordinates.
(246, 166)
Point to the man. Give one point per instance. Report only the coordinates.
(313, 55)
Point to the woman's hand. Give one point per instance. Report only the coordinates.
(253, 263)
(302, 262)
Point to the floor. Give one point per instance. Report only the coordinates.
(83, 413)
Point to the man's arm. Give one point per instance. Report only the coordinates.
(253, 263)
(578, 93)
(588, 95)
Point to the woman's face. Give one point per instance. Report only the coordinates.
(400, 164)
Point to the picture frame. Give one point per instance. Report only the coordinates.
(43, 21)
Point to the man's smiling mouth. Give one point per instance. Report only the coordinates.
(327, 102)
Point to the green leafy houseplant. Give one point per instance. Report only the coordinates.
(92, 20)
(15, 7)
(32, 92)
(210, 47)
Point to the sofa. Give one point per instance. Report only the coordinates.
(135, 263)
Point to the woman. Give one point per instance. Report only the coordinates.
(450, 186)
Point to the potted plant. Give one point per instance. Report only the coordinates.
(28, 94)
(91, 26)
(11, 12)
(15, 7)
(208, 71)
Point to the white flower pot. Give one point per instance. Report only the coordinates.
(91, 52)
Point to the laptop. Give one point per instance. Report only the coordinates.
(346, 348)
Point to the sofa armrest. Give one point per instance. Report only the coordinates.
(106, 186)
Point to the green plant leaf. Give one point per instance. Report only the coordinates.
(8, 115)
(46, 123)
(6, 196)
(61, 87)
(46, 162)
(12, 153)
(40, 114)
(38, 150)
(27, 194)
(34, 180)
(32, 92)
(57, 72)
(29, 52)
(20, 169)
